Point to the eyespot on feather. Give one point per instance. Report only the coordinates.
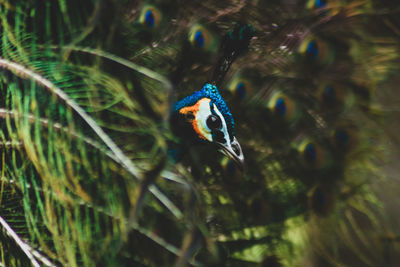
(320, 201)
(240, 87)
(282, 106)
(315, 50)
(311, 154)
(150, 16)
(316, 4)
(343, 138)
(331, 95)
(202, 38)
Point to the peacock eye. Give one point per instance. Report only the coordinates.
(241, 89)
(202, 38)
(214, 122)
(315, 4)
(189, 116)
(344, 138)
(198, 39)
(283, 107)
(310, 153)
(312, 50)
(280, 106)
(150, 16)
(317, 50)
(320, 3)
(329, 95)
(341, 137)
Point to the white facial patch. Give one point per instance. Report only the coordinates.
(202, 115)
(224, 128)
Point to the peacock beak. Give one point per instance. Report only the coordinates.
(234, 151)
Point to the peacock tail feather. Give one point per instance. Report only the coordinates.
(95, 173)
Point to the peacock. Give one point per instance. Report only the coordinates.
(114, 114)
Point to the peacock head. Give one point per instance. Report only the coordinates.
(205, 117)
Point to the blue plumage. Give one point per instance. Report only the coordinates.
(209, 91)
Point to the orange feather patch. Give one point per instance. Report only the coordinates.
(194, 109)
